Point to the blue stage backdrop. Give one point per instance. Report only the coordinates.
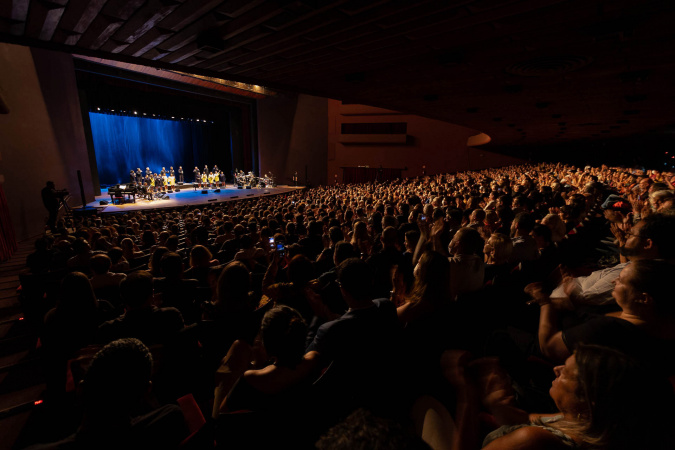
(122, 143)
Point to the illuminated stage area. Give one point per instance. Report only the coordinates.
(187, 197)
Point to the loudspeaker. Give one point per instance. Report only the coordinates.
(240, 187)
(103, 202)
(217, 190)
(205, 191)
(169, 191)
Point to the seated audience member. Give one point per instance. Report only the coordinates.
(201, 261)
(650, 238)
(154, 265)
(276, 386)
(383, 261)
(524, 245)
(292, 293)
(431, 289)
(606, 400)
(130, 250)
(71, 325)
(557, 226)
(101, 277)
(232, 315)
(116, 411)
(467, 270)
(141, 319)
(40, 261)
(359, 346)
(176, 291)
(248, 254)
(498, 249)
(118, 262)
(644, 326)
(83, 254)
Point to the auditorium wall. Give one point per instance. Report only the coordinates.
(42, 137)
(292, 136)
(440, 146)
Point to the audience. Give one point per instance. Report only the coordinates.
(366, 285)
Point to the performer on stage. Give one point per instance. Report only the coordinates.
(180, 175)
(221, 176)
(171, 172)
(148, 172)
(198, 176)
(205, 179)
(165, 182)
(132, 177)
(216, 179)
(152, 184)
(172, 181)
(139, 175)
(206, 169)
(215, 169)
(163, 171)
(210, 179)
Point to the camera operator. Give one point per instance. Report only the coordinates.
(51, 199)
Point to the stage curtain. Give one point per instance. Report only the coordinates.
(368, 174)
(8, 244)
(125, 142)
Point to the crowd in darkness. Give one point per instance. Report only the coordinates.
(528, 306)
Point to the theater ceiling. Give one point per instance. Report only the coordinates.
(524, 72)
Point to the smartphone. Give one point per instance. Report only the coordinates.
(271, 243)
(423, 217)
(281, 249)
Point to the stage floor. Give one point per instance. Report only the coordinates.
(187, 197)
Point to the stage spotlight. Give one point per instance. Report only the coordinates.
(135, 113)
(98, 109)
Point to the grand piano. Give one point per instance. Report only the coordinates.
(122, 193)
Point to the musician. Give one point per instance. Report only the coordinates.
(216, 178)
(198, 176)
(206, 169)
(132, 177)
(295, 178)
(148, 172)
(180, 175)
(163, 171)
(152, 183)
(165, 181)
(172, 181)
(205, 179)
(139, 175)
(171, 172)
(210, 179)
(215, 169)
(222, 178)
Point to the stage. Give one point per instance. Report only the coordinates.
(187, 196)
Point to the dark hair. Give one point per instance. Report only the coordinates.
(630, 405)
(432, 282)
(136, 288)
(77, 295)
(234, 284)
(356, 278)
(362, 430)
(653, 276)
(100, 263)
(335, 234)
(171, 265)
(659, 228)
(283, 332)
(524, 221)
(300, 271)
(118, 376)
